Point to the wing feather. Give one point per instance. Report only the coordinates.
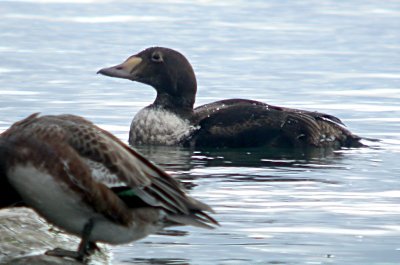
(239, 122)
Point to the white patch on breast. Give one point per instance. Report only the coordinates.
(157, 126)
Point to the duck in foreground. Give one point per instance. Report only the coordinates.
(87, 182)
(172, 120)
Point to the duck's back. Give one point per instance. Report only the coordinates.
(247, 123)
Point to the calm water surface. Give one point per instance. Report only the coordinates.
(340, 57)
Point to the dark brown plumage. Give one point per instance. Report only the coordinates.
(225, 123)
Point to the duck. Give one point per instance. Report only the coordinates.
(89, 183)
(172, 119)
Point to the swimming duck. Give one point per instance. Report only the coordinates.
(172, 120)
(84, 180)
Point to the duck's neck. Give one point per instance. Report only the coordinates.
(173, 103)
(181, 102)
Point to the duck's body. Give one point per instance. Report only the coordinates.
(64, 207)
(225, 123)
(247, 123)
(87, 182)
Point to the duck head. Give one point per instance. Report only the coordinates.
(167, 70)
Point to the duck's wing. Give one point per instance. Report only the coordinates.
(242, 123)
(148, 182)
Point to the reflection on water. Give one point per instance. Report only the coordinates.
(180, 158)
(275, 204)
(172, 158)
(275, 207)
(159, 261)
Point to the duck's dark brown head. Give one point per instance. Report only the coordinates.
(167, 70)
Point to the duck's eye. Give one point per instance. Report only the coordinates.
(156, 57)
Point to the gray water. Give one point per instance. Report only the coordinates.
(339, 57)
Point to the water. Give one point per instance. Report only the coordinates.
(339, 57)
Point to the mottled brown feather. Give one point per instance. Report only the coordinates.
(74, 139)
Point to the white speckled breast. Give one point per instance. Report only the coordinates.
(156, 126)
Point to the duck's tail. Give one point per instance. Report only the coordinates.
(197, 215)
(198, 219)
